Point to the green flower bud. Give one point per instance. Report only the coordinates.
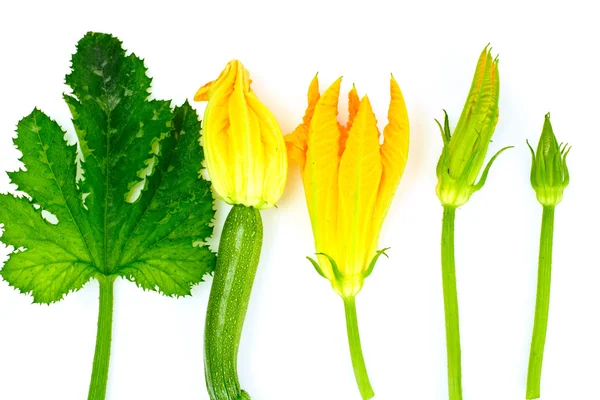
(549, 172)
(464, 151)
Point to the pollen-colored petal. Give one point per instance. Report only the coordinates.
(297, 141)
(394, 153)
(222, 86)
(321, 172)
(273, 150)
(216, 134)
(353, 106)
(359, 177)
(296, 144)
(324, 132)
(313, 97)
(202, 93)
(215, 140)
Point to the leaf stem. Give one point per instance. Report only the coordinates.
(358, 361)
(103, 340)
(542, 304)
(451, 306)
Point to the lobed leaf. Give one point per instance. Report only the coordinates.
(140, 209)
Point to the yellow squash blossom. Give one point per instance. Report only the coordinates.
(243, 144)
(247, 161)
(350, 178)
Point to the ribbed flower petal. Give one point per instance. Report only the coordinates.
(222, 86)
(353, 106)
(321, 173)
(394, 155)
(202, 93)
(297, 141)
(245, 142)
(313, 97)
(244, 148)
(359, 177)
(215, 135)
(274, 154)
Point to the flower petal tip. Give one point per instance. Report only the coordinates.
(202, 93)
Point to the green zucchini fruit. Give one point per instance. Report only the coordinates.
(238, 256)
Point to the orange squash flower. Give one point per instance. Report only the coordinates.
(349, 182)
(349, 178)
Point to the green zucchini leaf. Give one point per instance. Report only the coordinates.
(130, 202)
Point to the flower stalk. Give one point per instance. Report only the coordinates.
(349, 181)
(542, 305)
(451, 305)
(459, 165)
(549, 177)
(358, 361)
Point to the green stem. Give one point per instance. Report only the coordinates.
(103, 339)
(542, 304)
(451, 306)
(238, 256)
(358, 361)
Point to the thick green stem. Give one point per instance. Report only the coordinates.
(103, 340)
(358, 361)
(542, 305)
(239, 253)
(451, 306)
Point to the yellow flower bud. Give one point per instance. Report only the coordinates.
(245, 152)
(465, 150)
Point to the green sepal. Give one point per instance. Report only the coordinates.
(446, 135)
(484, 175)
(374, 260)
(334, 267)
(317, 267)
(532, 173)
(566, 176)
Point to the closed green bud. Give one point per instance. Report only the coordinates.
(465, 150)
(549, 172)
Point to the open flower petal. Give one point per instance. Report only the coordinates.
(321, 173)
(297, 141)
(394, 152)
(359, 177)
(349, 179)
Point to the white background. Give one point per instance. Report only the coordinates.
(294, 344)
